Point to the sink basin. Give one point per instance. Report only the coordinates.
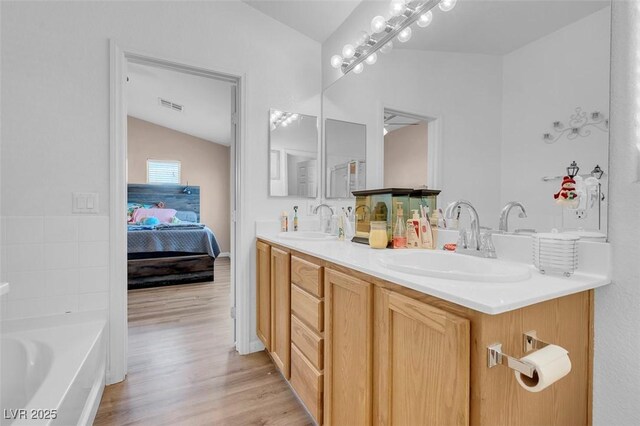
(452, 266)
(306, 236)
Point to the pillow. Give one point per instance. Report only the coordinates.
(131, 207)
(163, 215)
(150, 221)
(187, 216)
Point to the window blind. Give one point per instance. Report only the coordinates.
(163, 171)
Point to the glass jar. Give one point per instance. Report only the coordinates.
(378, 238)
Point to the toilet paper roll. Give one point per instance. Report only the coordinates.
(551, 364)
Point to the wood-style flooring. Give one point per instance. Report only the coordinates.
(183, 367)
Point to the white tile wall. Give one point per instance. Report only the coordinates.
(55, 264)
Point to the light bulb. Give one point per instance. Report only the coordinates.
(358, 68)
(447, 5)
(371, 59)
(404, 35)
(387, 47)
(397, 7)
(425, 19)
(363, 38)
(336, 61)
(378, 24)
(348, 51)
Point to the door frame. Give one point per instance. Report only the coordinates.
(240, 291)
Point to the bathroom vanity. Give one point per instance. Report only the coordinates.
(361, 344)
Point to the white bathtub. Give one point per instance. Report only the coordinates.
(53, 370)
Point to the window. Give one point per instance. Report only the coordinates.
(163, 171)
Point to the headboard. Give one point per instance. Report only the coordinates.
(173, 196)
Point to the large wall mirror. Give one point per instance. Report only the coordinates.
(491, 102)
(293, 150)
(345, 158)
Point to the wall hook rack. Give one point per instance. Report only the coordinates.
(530, 341)
(579, 125)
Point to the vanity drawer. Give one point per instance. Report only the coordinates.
(308, 342)
(308, 383)
(307, 308)
(307, 275)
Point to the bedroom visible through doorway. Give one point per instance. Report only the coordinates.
(180, 176)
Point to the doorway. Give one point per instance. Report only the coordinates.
(122, 63)
(410, 150)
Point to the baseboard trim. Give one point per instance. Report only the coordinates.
(256, 346)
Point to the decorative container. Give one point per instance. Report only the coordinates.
(380, 205)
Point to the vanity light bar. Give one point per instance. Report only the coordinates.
(395, 25)
(280, 118)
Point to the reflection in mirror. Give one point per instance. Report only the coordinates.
(345, 145)
(514, 92)
(293, 148)
(405, 150)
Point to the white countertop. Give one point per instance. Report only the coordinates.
(488, 298)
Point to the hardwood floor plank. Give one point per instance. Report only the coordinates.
(183, 367)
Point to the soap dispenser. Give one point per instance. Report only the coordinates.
(399, 231)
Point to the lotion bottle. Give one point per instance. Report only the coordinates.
(413, 231)
(284, 221)
(434, 229)
(341, 226)
(426, 233)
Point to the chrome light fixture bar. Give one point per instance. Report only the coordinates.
(405, 12)
(281, 118)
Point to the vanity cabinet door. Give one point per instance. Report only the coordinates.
(263, 293)
(422, 363)
(280, 310)
(348, 350)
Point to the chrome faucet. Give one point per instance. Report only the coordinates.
(324, 224)
(478, 245)
(504, 214)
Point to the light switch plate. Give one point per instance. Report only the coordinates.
(85, 203)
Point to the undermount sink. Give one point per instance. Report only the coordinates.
(453, 266)
(306, 236)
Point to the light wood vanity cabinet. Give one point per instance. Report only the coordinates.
(281, 310)
(263, 293)
(348, 350)
(367, 351)
(307, 334)
(422, 363)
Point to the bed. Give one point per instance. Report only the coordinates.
(168, 253)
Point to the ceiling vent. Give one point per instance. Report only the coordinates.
(168, 104)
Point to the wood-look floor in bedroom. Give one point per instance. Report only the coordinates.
(184, 370)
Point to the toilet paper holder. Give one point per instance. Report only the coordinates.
(530, 340)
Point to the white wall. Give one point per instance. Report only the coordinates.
(544, 82)
(463, 91)
(55, 98)
(617, 307)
